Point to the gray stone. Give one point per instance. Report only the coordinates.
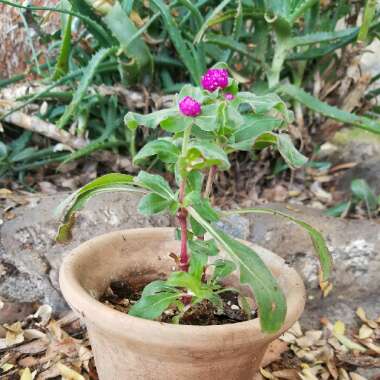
(29, 256)
(362, 147)
(30, 259)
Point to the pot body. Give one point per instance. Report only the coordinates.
(130, 348)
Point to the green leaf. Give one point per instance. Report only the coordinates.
(363, 192)
(176, 124)
(152, 306)
(164, 149)
(329, 111)
(198, 261)
(207, 120)
(204, 154)
(202, 206)
(194, 92)
(62, 65)
(316, 237)
(223, 268)
(134, 47)
(288, 151)
(176, 37)
(206, 247)
(254, 126)
(108, 183)
(209, 19)
(152, 204)
(184, 280)
(339, 209)
(194, 182)
(264, 103)
(197, 229)
(369, 14)
(156, 184)
(157, 286)
(253, 272)
(88, 75)
(132, 120)
(320, 37)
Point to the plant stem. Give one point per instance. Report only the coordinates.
(210, 181)
(182, 213)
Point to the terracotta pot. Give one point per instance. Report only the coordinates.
(129, 348)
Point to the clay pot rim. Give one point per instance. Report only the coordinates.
(96, 312)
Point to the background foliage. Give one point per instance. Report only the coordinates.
(156, 46)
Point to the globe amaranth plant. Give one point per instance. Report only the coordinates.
(204, 126)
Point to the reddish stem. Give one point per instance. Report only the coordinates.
(182, 219)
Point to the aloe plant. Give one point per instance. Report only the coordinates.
(276, 45)
(206, 124)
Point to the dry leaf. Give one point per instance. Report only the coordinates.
(6, 367)
(363, 316)
(44, 314)
(365, 332)
(14, 335)
(274, 351)
(309, 339)
(35, 347)
(68, 373)
(266, 374)
(26, 374)
(343, 375)
(339, 330)
(355, 376)
(296, 330)
(290, 374)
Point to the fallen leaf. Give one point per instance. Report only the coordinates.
(274, 351)
(68, 373)
(14, 335)
(290, 374)
(363, 316)
(365, 332)
(35, 347)
(26, 374)
(266, 374)
(44, 314)
(343, 375)
(339, 330)
(6, 367)
(355, 376)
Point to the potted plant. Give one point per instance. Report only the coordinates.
(203, 264)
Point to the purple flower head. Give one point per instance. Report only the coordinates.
(229, 96)
(189, 106)
(214, 79)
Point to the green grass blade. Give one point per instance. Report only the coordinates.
(93, 26)
(369, 14)
(88, 75)
(125, 32)
(314, 38)
(176, 37)
(332, 112)
(214, 13)
(62, 65)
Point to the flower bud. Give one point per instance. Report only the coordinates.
(189, 106)
(214, 79)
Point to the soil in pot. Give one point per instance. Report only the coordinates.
(121, 295)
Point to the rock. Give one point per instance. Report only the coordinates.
(362, 147)
(30, 259)
(29, 256)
